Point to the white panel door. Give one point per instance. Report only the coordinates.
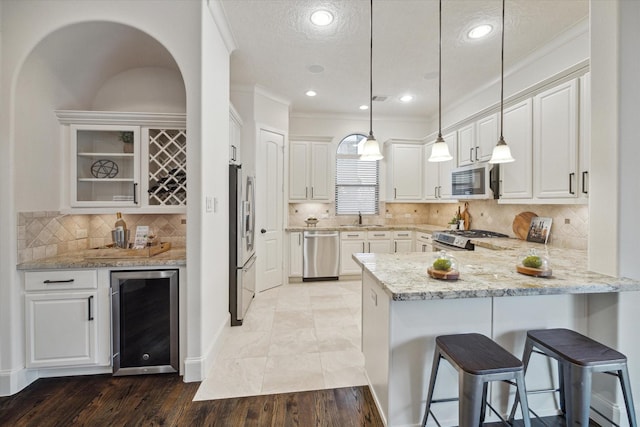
(444, 188)
(555, 141)
(431, 175)
(298, 188)
(269, 210)
(295, 254)
(466, 144)
(487, 129)
(517, 177)
(320, 172)
(348, 248)
(407, 172)
(382, 246)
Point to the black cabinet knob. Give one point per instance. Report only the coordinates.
(263, 230)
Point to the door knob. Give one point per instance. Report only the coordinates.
(262, 230)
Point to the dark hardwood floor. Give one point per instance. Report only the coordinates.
(164, 400)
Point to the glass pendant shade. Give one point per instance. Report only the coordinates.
(501, 153)
(371, 150)
(440, 151)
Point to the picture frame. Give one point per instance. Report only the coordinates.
(539, 229)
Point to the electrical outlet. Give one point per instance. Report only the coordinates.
(388, 215)
(567, 221)
(208, 204)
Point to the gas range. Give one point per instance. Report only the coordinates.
(460, 240)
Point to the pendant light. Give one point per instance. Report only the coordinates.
(440, 149)
(501, 152)
(370, 148)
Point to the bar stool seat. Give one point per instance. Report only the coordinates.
(578, 358)
(478, 360)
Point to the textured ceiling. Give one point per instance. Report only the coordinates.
(277, 43)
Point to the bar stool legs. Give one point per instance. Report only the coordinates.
(478, 360)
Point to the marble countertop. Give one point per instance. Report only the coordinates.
(82, 259)
(489, 273)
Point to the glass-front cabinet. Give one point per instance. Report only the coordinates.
(126, 160)
(106, 168)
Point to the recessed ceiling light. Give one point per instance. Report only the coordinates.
(479, 31)
(364, 107)
(406, 98)
(311, 93)
(315, 69)
(321, 18)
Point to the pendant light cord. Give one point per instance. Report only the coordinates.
(502, 76)
(440, 72)
(371, 72)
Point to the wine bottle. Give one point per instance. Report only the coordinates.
(120, 222)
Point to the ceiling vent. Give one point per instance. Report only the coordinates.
(379, 98)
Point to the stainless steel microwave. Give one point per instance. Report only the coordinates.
(474, 181)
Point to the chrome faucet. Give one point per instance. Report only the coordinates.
(359, 218)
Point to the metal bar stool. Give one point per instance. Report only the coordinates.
(578, 358)
(478, 360)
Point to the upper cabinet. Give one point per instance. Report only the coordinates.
(585, 133)
(516, 180)
(310, 171)
(126, 160)
(555, 142)
(404, 171)
(437, 176)
(235, 136)
(476, 140)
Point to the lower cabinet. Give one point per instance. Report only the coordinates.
(64, 316)
(402, 241)
(295, 254)
(424, 242)
(350, 243)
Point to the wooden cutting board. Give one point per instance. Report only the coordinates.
(521, 224)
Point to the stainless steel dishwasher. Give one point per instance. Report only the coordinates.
(321, 255)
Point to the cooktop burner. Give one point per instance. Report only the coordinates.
(474, 233)
(461, 239)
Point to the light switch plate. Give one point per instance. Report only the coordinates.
(208, 204)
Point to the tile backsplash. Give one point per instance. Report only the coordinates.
(569, 229)
(44, 234)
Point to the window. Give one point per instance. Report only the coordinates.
(356, 180)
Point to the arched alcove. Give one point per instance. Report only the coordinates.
(84, 66)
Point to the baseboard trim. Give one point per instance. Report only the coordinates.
(608, 408)
(197, 368)
(11, 382)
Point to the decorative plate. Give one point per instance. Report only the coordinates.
(104, 169)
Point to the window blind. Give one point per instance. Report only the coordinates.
(357, 188)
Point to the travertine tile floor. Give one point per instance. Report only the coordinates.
(296, 337)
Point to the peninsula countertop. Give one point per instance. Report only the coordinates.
(82, 259)
(488, 273)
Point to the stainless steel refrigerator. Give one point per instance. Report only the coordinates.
(242, 256)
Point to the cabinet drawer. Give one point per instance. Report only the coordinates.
(52, 280)
(376, 235)
(353, 235)
(424, 237)
(399, 235)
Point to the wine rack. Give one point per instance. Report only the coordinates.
(167, 167)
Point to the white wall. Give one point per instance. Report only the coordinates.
(24, 25)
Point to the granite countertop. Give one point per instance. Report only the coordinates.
(489, 273)
(82, 259)
(425, 228)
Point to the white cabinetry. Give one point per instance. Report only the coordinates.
(438, 175)
(62, 314)
(295, 254)
(351, 242)
(379, 242)
(516, 180)
(405, 165)
(402, 241)
(476, 140)
(235, 136)
(424, 242)
(466, 144)
(585, 133)
(310, 171)
(125, 160)
(555, 142)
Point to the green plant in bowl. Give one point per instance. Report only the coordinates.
(442, 264)
(532, 261)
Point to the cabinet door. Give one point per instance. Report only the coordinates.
(295, 254)
(584, 147)
(298, 168)
(466, 144)
(431, 175)
(382, 246)
(516, 179)
(348, 248)
(487, 129)
(105, 165)
(444, 187)
(402, 246)
(555, 142)
(320, 179)
(235, 138)
(407, 172)
(61, 329)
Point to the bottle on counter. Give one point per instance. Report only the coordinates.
(120, 222)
